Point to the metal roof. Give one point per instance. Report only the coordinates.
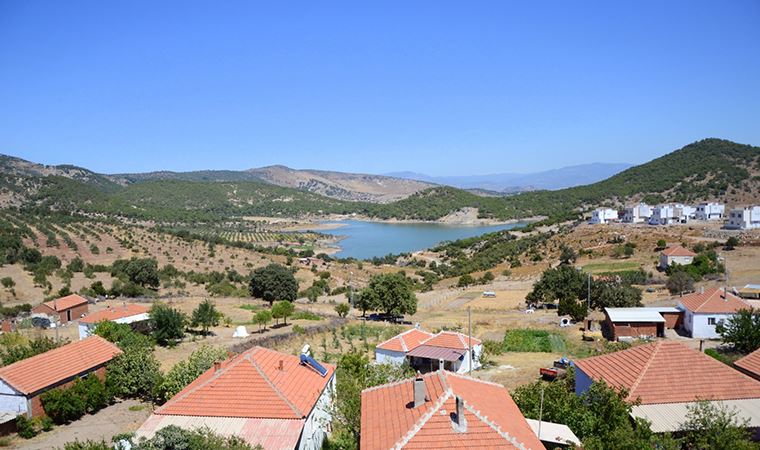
(636, 314)
(556, 433)
(276, 434)
(669, 417)
(431, 352)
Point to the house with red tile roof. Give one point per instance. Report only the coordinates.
(23, 382)
(667, 378)
(64, 309)
(428, 352)
(442, 410)
(750, 364)
(267, 398)
(704, 310)
(128, 313)
(676, 255)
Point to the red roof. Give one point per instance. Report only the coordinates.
(677, 250)
(493, 419)
(115, 313)
(411, 339)
(65, 303)
(669, 372)
(252, 385)
(34, 374)
(750, 363)
(408, 340)
(713, 301)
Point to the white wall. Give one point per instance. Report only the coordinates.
(318, 421)
(383, 356)
(701, 329)
(11, 400)
(464, 365)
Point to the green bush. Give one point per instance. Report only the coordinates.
(305, 315)
(26, 428)
(184, 372)
(63, 405)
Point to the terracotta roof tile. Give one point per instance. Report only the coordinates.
(677, 250)
(34, 374)
(493, 418)
(252, 385)
(713, 301)
(65, 303)
(406, 341)
(451, 339)
(750, 363)
(669, 372)
(117, 312)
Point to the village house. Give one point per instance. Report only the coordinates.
(64, 309)
(637, 214)
(23, 382)
(706, 309)
(637, 323)
(671, 214)
(667, 378)
(603, 215)
(750, 364)
(267, 398)
(429, 352)
(128, 313)
(747, 218)
(442, 410)
(710, 211)
(675, 255)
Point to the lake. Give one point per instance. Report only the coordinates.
(368, 239)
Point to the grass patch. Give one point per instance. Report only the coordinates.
(527, 340)
(305, 315)
(137, 407)
(618, 266)
(250, 307)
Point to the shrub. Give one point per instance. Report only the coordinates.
(7, 282)
(305, 315)
(134, 373)
(63, 405)
(342, 309)
(184, 372)
(25, 427)
(168, 324)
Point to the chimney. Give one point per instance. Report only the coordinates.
(281, 365)
(217, 366)
(459, 422)
(420, 395)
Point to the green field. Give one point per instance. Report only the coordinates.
(611, 266)
(527, 340)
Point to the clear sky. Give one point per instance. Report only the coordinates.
(439, 87)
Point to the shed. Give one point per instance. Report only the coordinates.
(639, 322)
(128, 313)
(64, 309)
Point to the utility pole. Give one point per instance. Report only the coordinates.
(540, 412)
(469, 338)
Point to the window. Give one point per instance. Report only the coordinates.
(711, 320)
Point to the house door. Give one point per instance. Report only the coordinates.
(68, 315)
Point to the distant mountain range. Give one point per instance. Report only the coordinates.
(508, 183)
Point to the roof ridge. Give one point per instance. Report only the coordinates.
(643, 372)
(233, 362)
(423, 419)
(477, 380)
(512, 440)
(287, 401)
(403, 343)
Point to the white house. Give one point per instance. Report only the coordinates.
(267, 398)
(603, 215)
(710, 211)
(704, 310)
(128, 313)
(429, 352)
(676, 255)
(637, 214)
(744, 218)
(671, 213)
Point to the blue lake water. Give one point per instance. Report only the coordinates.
(368, 239)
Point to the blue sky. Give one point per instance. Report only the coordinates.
(440, 87)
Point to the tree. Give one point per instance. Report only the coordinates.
(487, 278)
(143, 271)
(731, 243)
(607, 294)
(742, 330)
(134, 373)
(392, 293)
(661, 244)
(465, 280)
(564, 284)
(206, 315)
(567, 255)
(282, 310)
(680, 282)
(366, 300)
(274, 282)
(262, 318)
(168, 324)
(716, 427)
(342, 309)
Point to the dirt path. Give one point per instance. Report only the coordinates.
(103, 425)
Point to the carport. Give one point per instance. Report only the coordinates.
(427, 358)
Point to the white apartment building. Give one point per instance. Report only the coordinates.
(744, 218)
(710, 211)
(637, 214)
(603, 215)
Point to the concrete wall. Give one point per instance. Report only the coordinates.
(389, 357)
(318, 421)
(700, 327)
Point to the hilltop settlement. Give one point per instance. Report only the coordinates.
(159, 311)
